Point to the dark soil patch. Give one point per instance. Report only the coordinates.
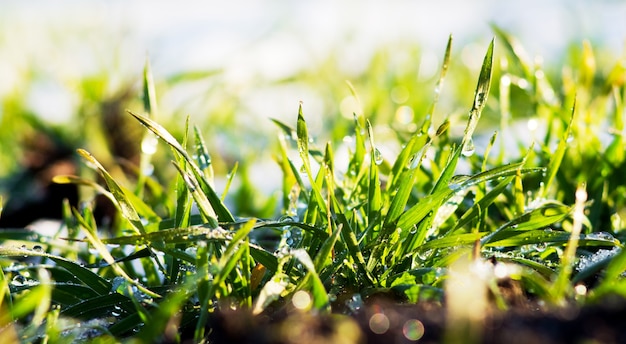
(387, 322)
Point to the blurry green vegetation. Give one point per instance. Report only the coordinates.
(398, 182)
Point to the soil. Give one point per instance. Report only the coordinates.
(424, 323)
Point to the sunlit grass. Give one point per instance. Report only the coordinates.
(404, 199)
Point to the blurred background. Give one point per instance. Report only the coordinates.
(69, 69)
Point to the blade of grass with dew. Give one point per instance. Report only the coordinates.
(325, 251)
(223, 214)
(97, 243)
(303, 150)
(374, 198)
(398, 203)
(480, 99)
(483, 203)
(516, 238)
(540, 217)
(349, 239)
(291, 176)
(562, 285)
(148, 142)
(140, 207)
(85, 275)
(203, 277)
(97, 306)
(429, 203)
(204, 205)
(124, 204)
(227, 262)
(202, 156)
(318, 292)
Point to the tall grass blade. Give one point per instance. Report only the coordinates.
(223, 214)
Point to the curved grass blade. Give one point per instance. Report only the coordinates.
(480, 99)
(325, 251)
(516, 238)
(85, 275)
(223, 214)
(142, 209)
(121, 198)
(100, 305)
(320, 296)
(97, 243)
(541, 217)
(431, 202)
(483, 203)
(204, 205)
(480, 95)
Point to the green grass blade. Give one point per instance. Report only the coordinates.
(202, 156)
(480, 99)
(431, 202)
(374, 200)
(541, 217)
(223, 214)
(557, 157)
(483, 203)
(204, 205)
(480, 95)
(85, 275)
(319, 294)
(121, 198)
(97, 243)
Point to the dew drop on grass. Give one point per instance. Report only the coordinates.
(19, 280)
(37, 248)
(468, 148)
(355, 303)
(378, 157)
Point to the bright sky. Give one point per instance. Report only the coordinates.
(271, 39)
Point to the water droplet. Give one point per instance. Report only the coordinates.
(468, 148)
(600, 236)
(37, 248)
(19, 280)
(355, 303)
(378, 157)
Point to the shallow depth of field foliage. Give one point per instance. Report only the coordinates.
(507, 172)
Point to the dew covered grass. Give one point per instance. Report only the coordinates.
(404, 196)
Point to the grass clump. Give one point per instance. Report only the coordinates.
(544, 217)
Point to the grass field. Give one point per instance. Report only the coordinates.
(440, 190)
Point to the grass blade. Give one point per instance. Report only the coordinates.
(121, 198)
